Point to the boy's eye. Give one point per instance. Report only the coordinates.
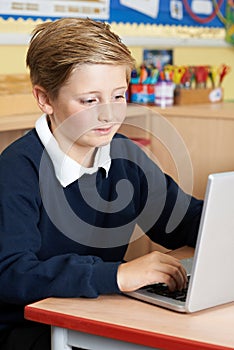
(89, 101)
(120, 97)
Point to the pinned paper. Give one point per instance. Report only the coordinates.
(53, 8)
(202, 7)
(176, 9)
(147, 7)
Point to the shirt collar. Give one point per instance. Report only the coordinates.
(67, 170)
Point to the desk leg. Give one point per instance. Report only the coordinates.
(95, 342)
(59, 339)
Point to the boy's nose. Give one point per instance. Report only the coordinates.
(106, 112)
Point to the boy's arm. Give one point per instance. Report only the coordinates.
(24, 276)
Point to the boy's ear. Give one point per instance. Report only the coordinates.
(43, 99)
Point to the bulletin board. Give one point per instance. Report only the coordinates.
(203, 13)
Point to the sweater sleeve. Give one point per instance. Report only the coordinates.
(178, 223)
(25, 278)
(170, 216)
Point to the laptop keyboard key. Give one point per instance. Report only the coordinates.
(162, 289)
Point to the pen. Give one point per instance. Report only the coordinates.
(201, 75)
(223, 71)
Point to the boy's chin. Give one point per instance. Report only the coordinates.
(104, 141)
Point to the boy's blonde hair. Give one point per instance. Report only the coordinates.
(57, 47)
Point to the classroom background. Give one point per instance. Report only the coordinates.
(195, 38)
(195, 31)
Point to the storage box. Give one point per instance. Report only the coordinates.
(184, 96)
(142, 93)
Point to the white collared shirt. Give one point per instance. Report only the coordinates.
(67, 170)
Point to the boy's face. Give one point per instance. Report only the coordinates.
(90, 107)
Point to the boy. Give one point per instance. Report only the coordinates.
(72, 189)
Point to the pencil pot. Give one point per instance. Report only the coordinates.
(164, 93)
(142, 93)
(197, 96)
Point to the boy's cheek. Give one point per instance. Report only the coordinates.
(119, 112)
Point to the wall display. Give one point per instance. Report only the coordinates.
(157, 58)
(176, 9)
(169, 12)
(148, 7)
(165, 12)
(230, 22)
(55, 8)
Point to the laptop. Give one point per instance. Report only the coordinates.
(211, 270)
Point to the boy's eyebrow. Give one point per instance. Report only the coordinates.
(97, 91)
(121, 87)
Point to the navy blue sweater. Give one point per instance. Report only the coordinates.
(69, 242)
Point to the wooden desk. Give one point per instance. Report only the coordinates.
(118, 322)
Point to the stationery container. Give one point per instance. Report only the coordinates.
(195, 96)
(142, 93)
(164, 93)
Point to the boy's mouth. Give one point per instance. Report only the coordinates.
(103, 130)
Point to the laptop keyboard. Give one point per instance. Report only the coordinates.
(162, 289)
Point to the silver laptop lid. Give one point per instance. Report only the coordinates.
(212, 280)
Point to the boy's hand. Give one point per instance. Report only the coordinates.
(152, 268)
